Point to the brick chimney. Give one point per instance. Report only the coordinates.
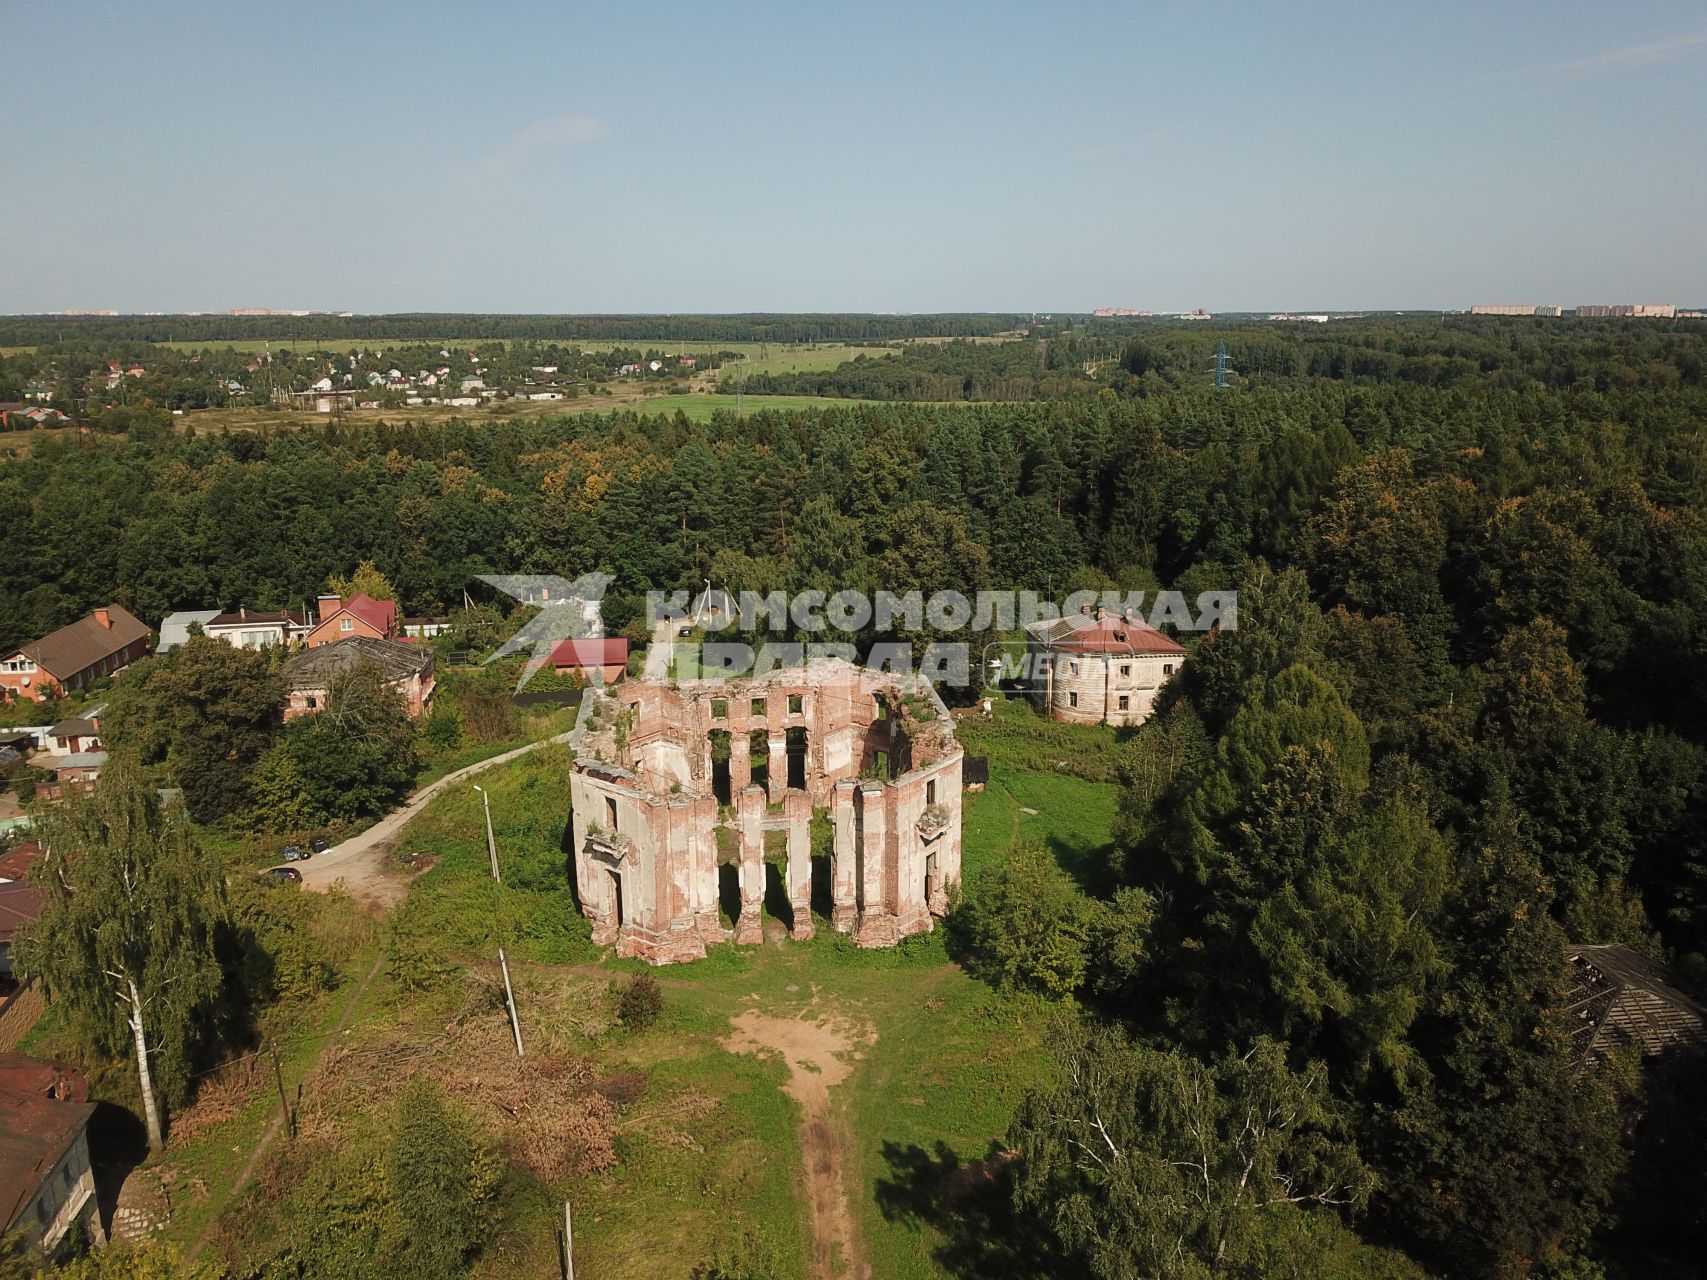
(105, 618)
(329, 605)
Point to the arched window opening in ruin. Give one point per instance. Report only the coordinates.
(728, 894)
(610, 813)
(759, 745)
(797, 745)
(719, 740)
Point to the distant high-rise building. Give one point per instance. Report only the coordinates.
(1528, 309)
(1626, 310)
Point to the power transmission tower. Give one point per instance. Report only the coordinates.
(1222, 366)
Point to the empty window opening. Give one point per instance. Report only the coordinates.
(1126, 668)
(1167, 668)
(757, 707)
(719, 740)
(1125, 702)
(796, 704)
(1072, 699)
(759, 754)
(719, 708)
(615, 898)
(610, 813)
(797, 745)
(930, 791)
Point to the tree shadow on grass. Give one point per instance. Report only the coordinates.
(970, 1203)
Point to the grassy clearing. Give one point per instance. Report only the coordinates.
(1018, 736)
(20, 444)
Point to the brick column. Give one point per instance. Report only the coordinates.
(740, 764)
(876, 919)
(844, 860)
(778, 768)
(798, 806)
(748, 928)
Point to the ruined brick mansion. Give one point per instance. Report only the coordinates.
(682, 787)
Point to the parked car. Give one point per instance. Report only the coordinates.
(282, 875)
(320, 844)
(295, 853)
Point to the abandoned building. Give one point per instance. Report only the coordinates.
(1099, 667)
(691, 794)
(1619, 996)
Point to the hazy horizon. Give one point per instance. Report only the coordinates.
(556, 160)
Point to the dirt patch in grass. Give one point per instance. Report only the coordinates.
(819, 1056)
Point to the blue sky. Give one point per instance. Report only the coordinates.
(908, 157)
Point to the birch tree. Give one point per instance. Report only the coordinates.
(126, 939)
(1153, 1165)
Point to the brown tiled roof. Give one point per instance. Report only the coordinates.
(43, 1107)
(1108, 634)
(317, 668)
(85, 642)
(76, 727)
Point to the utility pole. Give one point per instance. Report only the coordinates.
(284, 1103)
(491, 844)
(510, 998)
(503, 961)
(568, 1245)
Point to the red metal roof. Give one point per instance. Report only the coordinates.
(17, 860)
(590, 653)
(44, 1106)
(381, 615)
(19, 904)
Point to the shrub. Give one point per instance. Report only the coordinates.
(641, 1003)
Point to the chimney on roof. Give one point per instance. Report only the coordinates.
(330, 605)
(242, 611)
(105, 618)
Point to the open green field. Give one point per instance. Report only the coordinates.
(704, 1149)
(709, 1152)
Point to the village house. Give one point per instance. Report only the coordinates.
(425, 628)
(175, 627)
(78, 771)
(608, 658)
(360, 615)
(75, 656)
(257, 629)
(310, 674)
(1099, 667)
(47, 1184)
(16, 862)
(20, 904)
(80, 733)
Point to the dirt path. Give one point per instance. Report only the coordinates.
(272, 1130)
(360, 862)
(819, 1057)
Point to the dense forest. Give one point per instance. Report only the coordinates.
(22, 331)
(1462, 722)
(1150, 357)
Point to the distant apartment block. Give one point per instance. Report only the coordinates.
(1628, 310)
(1527, 309)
